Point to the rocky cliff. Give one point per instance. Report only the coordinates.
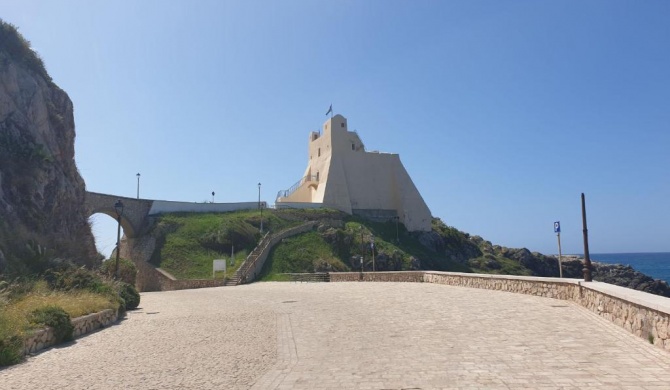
(41, 191)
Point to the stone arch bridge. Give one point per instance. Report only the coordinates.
(135, 219)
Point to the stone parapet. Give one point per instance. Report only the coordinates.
(642, 314)
(44, 338)
(390, 276)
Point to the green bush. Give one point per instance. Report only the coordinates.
(127, 270)
(70, 278)
(56, 318)
(11, 350)
(130, 296)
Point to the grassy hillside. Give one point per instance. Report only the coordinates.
(187, 244)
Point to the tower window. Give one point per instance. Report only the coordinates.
(319, 152)
(342, 124)
(353, 147)
(317, 175)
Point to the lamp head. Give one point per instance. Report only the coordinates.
(118, 207)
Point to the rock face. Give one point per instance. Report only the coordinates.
(41, 191)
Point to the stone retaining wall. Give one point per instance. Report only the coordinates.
(645, 315)
(44, 338)
(407, 276)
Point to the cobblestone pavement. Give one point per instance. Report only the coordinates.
(351, 336)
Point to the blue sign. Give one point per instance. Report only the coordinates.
(557, 227)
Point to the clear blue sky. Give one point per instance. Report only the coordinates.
(503, 112)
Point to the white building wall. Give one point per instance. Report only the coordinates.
(164, 206)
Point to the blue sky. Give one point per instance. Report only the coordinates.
(503, 112)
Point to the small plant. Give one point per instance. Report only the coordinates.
(11, 350)
(71, 278)
(650, 338)
(130, 296)
(127, 270)
(56, 318)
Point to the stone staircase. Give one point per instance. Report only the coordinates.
(253, 264)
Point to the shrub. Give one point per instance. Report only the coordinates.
(127, 270)
(11, 350)
(70, 278)
(56, 318)
(130, 296)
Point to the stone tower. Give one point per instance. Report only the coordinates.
(342, 175)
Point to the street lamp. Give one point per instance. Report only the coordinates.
(260, 206)
(118, 207)
(372, 246)
(213, 193)
(138, 185)
(397, 219)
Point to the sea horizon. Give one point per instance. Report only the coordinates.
(654, 264)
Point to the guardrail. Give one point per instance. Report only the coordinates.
(253, 264)
(308, 277)
(294, 187)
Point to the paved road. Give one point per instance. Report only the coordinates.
(350, 336)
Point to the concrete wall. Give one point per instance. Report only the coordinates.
(165, 206)
(351, 178)
(642, 314)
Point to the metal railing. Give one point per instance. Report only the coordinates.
(293, 188)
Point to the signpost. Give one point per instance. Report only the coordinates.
(218, 265)
(557, 230)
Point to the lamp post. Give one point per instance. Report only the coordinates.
(397, 219)
(138, 185)
(118, 207)
(362, 248)
(260, 206)
(372, 246)
(213, 193)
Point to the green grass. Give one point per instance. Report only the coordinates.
(307, 252)
(188, 242)
(16, 309)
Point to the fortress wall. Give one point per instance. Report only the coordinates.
(644, 315)
(380, 181)
(352, 179)
(164, 206)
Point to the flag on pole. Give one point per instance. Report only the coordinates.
(330, 110)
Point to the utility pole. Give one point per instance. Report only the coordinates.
(587, 258)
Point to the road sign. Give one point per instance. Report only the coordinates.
(557, 227)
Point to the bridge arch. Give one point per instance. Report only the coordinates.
(134, 210)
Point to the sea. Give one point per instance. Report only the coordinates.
(656, 264)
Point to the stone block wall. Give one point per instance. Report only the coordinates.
(44, 338)
(642, 314)
(391, 276)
